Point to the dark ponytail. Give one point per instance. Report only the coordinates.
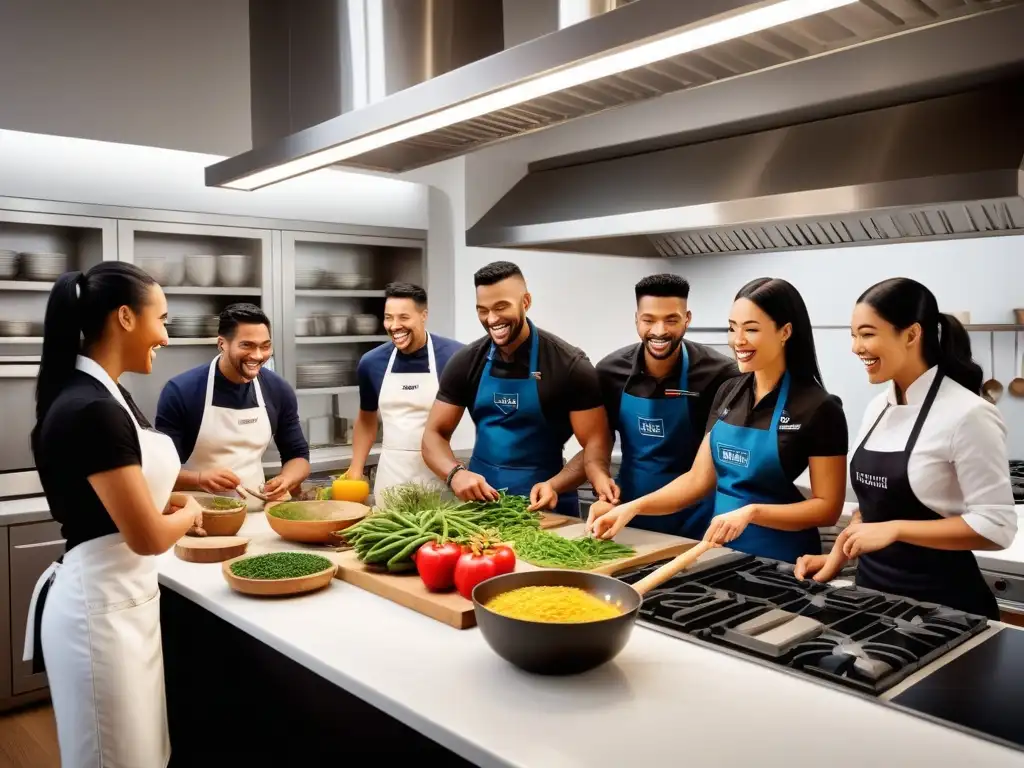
(902, 302)
(784, 304)
(76, 317)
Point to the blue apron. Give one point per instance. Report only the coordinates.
(659, 443)
(749, 472)
(515, 448)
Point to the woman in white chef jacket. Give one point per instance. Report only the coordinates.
(930, 469)
(108, 477)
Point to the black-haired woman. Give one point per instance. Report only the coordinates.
(766, 428)
(108, 477)
(930, 467)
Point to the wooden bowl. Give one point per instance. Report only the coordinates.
(277, 587)
(328, 517)
(221, 522)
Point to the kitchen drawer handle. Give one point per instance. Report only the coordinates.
(40, 544)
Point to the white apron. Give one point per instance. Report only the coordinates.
(404, 403)
(234, 440)
(100, 633)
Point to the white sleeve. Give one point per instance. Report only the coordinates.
(982, 469)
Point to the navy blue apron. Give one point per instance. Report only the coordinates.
(659, 443)
(749, 471)
(882, 485)
(515, 448)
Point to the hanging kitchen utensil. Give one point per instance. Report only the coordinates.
(1017, 385)
(564, 649)
(992, 389)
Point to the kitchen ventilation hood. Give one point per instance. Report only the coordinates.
(950, 166)
(636, 51)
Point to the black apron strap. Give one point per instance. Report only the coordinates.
(38, 663)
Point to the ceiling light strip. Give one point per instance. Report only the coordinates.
(692, 39)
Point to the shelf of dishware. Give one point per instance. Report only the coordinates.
(375, 339)
(338, 293)
(314, 391)
(192, 342)
(195, 290)
(40, 286)
(20, 340)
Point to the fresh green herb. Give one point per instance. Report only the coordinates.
(550, 550)
(280, 565)
(221, 503)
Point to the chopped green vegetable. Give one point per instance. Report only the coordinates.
(550, 550)
(280, 565)
(221, 503)
(299, 510)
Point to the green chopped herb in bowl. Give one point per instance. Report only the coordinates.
(280, 565)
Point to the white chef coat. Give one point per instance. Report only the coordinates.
(959, 465)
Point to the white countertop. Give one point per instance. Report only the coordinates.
(660, 695)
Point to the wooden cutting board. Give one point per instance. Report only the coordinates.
(210, 549)
(454, 610)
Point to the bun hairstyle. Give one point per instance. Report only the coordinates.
(784, 304)
(902, 302)
(76, 316)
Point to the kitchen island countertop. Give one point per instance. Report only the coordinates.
(660, 695)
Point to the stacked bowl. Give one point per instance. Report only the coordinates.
(169, 272)
(365, 325)
(328, 373)
(201, 269)
(45, 267)
(234, 269)
(8, 264)
(306, 279)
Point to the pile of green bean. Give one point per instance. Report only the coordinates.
(550, 550)
(410, 516)
(280, 565)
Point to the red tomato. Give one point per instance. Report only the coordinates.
(505, 558)
(473, 568)
(436, 563)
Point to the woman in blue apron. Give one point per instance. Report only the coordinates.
(930, 467)
(515, 446)
(751, 456)
(658, 445)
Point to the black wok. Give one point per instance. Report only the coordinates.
(546, 648)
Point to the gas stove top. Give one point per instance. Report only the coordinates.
(858, 638)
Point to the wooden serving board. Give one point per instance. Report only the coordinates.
(210, 549)
(550, 520)
(454, 610)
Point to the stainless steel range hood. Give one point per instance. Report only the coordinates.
(502, 96)
(941, 167)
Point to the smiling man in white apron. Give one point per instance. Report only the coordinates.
(222, 415)
(399, 380)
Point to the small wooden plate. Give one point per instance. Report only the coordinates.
(211, 549)
(277, 587)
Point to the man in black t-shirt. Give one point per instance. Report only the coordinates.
(527, 391)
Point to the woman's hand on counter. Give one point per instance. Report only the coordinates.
(865, 538)
(728, 527)
(605, 520)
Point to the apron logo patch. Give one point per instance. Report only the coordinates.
(784, 423)
(874, 481)
(652, 427)
(410, 387)
(243, 422)
(506, 403)
(737, 456)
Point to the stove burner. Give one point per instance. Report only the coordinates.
(1017, 480)
(858, 638)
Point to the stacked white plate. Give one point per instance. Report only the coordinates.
(334, 373)
(346, 281)
(365, 325)
(43, 266)
(20, 328)
(8, 264)
(192, 326)
(308, 278)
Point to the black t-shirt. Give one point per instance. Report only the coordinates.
(568, 381)
(85, 432)
(812, 424)
(623, 371)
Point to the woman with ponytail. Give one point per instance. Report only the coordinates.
(931, 469)
(108, 477)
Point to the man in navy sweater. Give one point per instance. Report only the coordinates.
(222, 415)
(399, 380)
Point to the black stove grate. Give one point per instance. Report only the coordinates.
(858, 638)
